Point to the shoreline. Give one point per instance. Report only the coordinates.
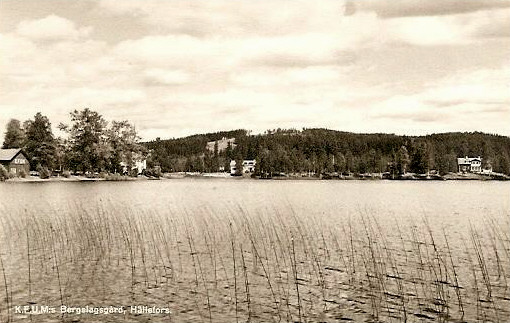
(209, 176)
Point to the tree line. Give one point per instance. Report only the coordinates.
(92, 144)
(326, 151)
(189, 154)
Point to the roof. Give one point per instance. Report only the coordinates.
(467, 160)
(9, 154)
(245, 162)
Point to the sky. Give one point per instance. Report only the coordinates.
(180, 67)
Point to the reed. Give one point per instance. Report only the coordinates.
(440, 275)
(480, 313)
(296, 282)
(266, 272)
(232, 241)
(246, 284)
(204, 282)
(29, 267)
(196, 285)
(455, 277)
(484, 270)
(265, 265)
(6, 289)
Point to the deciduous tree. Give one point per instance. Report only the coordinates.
(87, 140)
(40, 144)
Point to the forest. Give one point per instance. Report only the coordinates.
(325, 151)
(92, 145)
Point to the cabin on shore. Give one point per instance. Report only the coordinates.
(469, 164)
(14, 160)
(248, 166)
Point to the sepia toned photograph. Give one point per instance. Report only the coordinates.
(234, 161)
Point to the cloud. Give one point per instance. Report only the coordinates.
(428, 31)
(51, 28)
(416, 22)
(449, 30)
(307, 76)
(414, 8)
(493, 24)
(12, 46)
(168, 50)
(480, 87)
(478, 99)
(157, 76)
(262, 64)
(203, 18)
(308, 49)
(314, 48)
(280, 28)
(96, 97)
(26, 63)
(415, 117)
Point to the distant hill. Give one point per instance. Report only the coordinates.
(191, 153)
(324, 150)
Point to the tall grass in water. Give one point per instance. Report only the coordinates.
(242, 265)
(6, 313)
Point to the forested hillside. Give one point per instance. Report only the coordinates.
(323, 150)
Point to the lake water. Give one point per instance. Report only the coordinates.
(308, 250)
(450, 203)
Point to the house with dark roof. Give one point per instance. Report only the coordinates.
(470, 164)
(14, 160)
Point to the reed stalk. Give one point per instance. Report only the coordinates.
(6, 288)
(296, 282)
(246, 284)
(232, 241)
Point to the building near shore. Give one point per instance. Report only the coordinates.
(469, 164)
(248, 166)
(138, 164)
(14, 160)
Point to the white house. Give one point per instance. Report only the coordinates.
(470, 164)
(248, 166)
(140, 164)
